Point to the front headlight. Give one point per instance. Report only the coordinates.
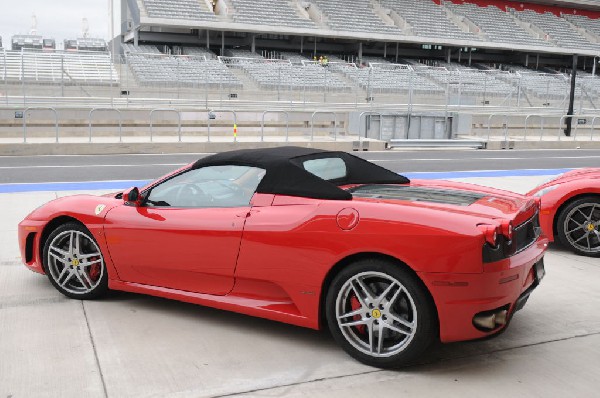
(544, 191)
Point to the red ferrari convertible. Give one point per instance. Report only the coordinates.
(571, 210)
(307, 237)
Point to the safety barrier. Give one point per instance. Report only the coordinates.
(39, 108)
(166, 110)
(287, 124)
(312, 123)
(109, 110)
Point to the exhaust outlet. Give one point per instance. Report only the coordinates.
(485, 321)
(501, 317)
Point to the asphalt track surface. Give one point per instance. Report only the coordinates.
(136, 168)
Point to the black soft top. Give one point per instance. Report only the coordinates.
(285, 173)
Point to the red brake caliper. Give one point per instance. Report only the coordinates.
(94, 269)
(355, 304)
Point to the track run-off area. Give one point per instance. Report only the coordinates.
(129, 345)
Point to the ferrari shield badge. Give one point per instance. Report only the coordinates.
(99, 209)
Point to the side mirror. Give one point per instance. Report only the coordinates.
(132, 196)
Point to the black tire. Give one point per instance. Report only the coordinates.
(65, 268)
(578, 226)
(412, 304)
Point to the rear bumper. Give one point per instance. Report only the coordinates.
(503, 284)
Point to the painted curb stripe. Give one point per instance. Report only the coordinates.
(116, 185)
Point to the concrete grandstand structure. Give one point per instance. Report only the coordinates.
(416, 58)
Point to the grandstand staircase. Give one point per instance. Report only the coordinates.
(383, 13)
(584, 32)
(465, 24)
(531, 28)
(317, 16)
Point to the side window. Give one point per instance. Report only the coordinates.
(326, 168)
(211, 186)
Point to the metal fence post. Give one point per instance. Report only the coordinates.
(165, 110)
(41, 108)
(106, 109)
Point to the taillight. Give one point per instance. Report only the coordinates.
(490, 232)
(506, 229)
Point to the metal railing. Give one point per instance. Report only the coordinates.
(39, 108)
(107, 110)
(312, 123)
(165, 110)
(287, 124)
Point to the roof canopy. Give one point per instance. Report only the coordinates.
(286, 175)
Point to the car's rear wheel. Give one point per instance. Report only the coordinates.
(74, 263)
(380, 313)
(578, 226)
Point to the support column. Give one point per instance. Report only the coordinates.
(537, 61)
(360, 54)
(384, 50)
(301, 44)
(222, 43)
(315, 50)
(397, 45)
(459, 53)
(594, 66)
(253, 44)
(470, 53)
(207, 39)
(526, 60)
(571, 96)
(448, 55)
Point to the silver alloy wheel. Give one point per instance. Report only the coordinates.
(75, 262)
(385, 321)
(582, 227)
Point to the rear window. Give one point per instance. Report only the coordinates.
(326, 168)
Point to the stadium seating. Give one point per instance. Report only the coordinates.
(271, 74)
(427, 19)
(142, 49)
(179, 9)
(199, 52)
(558, 29)
(353, 15)
(389, 78)
(165, 70)
(497, 25)
(589, 24)
(470, 81)
(89, 68)
(272, 12)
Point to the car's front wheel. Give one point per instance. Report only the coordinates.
(578, 226)
(380, 313)
(74, 263)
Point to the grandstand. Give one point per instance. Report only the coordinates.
(272, 12)
(57, 67)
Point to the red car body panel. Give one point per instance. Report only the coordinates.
(272, 259)
(561, 190)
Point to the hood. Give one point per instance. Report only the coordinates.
(453, 197)
(579, 174)
(75, 206)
